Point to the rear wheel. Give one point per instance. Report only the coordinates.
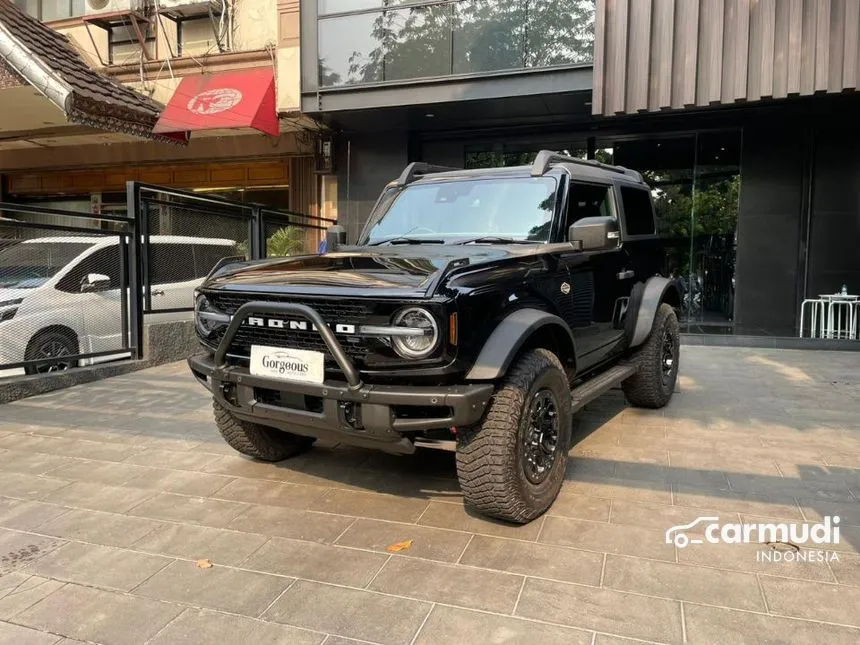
(512, 465)
(52, 348)
(657, 362)
(258, 441)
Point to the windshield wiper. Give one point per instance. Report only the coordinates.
(408, 240)
(493, 239)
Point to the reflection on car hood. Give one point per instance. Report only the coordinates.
(412, 271)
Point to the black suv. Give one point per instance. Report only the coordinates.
(479, 310)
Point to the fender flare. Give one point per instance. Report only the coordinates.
(508, 338)
(655, 291)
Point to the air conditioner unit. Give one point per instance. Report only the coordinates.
(113, 6)
(189, 7)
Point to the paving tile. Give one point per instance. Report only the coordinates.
(655, 492)
(15, 635)
(847, 569)
(735, 502)
(191, 510)
(202, 627)
(260, 491)
(708, 625)
(569, 504)
(105, 617)
(460, 518)
(539, 560)
(831, 491)
(19, 590)
(607, 538)
(742, 557)
(17, 550)
(682, 582)
(350, 612)
(100, 528)
(238, 466)
(25, 515)
(176, 459)
(223, 588)
(32, 463)
(28, 486)
(813, 601)
(451, 584)
(453, 625)
(98, 566)
(428, 543)
(98, 497)
(179, 481)
(413, 485)
(848, 512)
(661, 517)
(606, 639)
(603, 610)
(323, 563)
(102, 472)
(371, 505)
(290, 523)
(199, 542)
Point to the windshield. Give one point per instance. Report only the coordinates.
(31, 264)
(519, 208)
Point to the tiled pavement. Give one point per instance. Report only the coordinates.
(110, 492)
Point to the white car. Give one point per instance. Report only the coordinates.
(60, 296)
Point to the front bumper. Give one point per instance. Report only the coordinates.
(377, 416)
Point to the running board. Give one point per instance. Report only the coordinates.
(598, 385)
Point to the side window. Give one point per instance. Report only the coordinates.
(105, 261)
(170, 263)
(638, 211)
(588, 200)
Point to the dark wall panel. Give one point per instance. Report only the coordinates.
(366, 163)
(769, 230)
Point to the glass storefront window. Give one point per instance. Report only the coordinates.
(373, 41)
(695, 184)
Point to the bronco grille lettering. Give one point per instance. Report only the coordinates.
(297, 325)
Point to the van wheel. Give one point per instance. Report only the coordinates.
(52, 346)
(512, 465)
(257, 441)
(657, 360)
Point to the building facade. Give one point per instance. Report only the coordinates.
(741, 114)
(225, 71)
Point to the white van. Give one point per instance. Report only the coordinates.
(60, 296)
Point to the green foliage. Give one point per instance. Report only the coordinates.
(283, 242)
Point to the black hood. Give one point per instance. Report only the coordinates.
(409, 271)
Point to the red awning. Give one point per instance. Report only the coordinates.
(243, 99)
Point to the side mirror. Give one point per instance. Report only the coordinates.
(335, 237)
(93, 282)
(594, 233)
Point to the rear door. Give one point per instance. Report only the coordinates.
(173, 276)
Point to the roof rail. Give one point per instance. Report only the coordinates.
(419, 168)
(546, 158)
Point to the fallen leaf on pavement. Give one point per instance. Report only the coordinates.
(204, 564)
(400, 546)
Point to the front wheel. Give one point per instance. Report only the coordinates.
(258, 441)
(512, 465)
(657, 362)
(53, 348)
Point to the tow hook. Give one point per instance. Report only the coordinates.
(350, 414)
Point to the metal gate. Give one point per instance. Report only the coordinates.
(67, 281)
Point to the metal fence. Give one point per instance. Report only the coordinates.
(66, 285)
(75, 287)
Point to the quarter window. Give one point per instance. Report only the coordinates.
(638, 211)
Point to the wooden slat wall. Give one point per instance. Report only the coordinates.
(660, 54)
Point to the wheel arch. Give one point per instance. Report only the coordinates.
(518, 331)
(646, 298)
(67, 331)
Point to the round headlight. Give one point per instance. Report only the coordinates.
(207, 318)
(426, 337)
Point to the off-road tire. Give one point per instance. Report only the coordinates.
(490, 455)
(258, 441)
(650, 387)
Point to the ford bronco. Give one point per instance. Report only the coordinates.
(478, 311)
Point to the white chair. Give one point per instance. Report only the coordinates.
(817, 314)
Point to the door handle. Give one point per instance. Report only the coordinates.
(156, 292)
(625, 275)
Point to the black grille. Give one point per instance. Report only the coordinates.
(333, 312)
